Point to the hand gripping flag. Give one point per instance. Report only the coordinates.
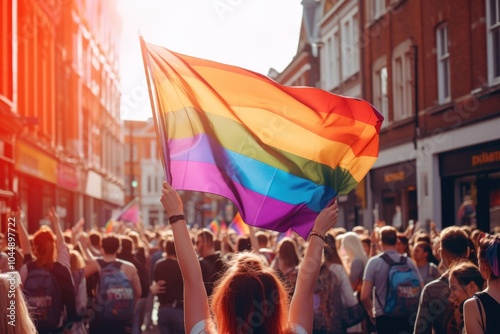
(279, 153)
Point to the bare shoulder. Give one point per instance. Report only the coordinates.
(128, 267)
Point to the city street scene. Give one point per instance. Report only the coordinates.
(231, 166)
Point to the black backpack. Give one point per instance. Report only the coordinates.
(44, 298)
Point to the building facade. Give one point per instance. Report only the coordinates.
(432, 69)
(68, 151)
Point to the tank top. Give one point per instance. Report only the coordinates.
(492, 313)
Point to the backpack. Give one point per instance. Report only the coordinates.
(115, 293)
(44, 298)
(403, 288)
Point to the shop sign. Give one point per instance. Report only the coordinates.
(112, 193)
(394, 177)
(35, 163)
(469, 160)
(67, 177)
(93, 187)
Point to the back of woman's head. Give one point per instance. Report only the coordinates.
(13, 307)
(353, 247)
(288, 252)
(465, 272)
(44, 247)
(330, 250)
(489, 254)
(249, 298)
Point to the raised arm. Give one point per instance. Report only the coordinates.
(301, 308)
(195, 296)
(24, 240)
(62, 249)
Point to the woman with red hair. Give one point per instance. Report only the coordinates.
(249, 298)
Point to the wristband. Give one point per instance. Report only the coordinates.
(176, 218)
(318, 235)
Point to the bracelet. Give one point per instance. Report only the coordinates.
(176, 218)
(318, 235)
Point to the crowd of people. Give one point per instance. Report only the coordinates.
(361, 281)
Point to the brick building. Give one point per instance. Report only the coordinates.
(63, 144)
(432, 68)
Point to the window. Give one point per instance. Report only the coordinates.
(350, 51)
(443, 64)
(376, 8)
(402, 81)
(493, 44)
(6, 47)
(380, 98)
(331, 61)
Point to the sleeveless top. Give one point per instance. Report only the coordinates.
(492, 310)
(199, 328)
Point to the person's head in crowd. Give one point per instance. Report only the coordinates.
(361, 230)
(243, 244)
(422, 252)
(366, 241)
(136, 239)
(170, 248)
(330, 252)
(110, 244)
(95, 239)
(465, 281)
(453, 245)
(388, 236)
(402, 244)
(205, 243)
(19, 320)
(489, 256)
(246, 283)
(336, 231)
(76, 260)
(44, 247)
(288, 253)
(127, 249)
(495, 230)
(422, 236)
(262, 239)
(353, 247)
(467, 230)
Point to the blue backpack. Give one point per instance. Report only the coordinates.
(403, 288)
(115, 293)
(44, 298)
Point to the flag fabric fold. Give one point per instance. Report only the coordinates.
(279, 153)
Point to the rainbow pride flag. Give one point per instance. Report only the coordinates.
(214, 226)
(239, 226)
(280, 154)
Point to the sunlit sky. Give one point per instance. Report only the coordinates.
(253, 34)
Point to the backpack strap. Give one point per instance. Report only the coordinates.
(387, 259)
(480, 307)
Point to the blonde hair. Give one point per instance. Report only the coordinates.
(12, 297)
(353, 247)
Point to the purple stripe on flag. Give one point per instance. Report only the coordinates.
(271, 213)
